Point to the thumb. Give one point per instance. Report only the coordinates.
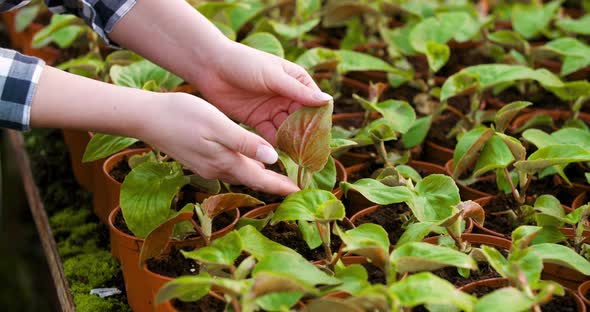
(247, 143)
(302, 89)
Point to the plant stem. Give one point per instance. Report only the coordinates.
(300, 177)
(457, 239)
(200, 231)
(383, 154)
(514, 191)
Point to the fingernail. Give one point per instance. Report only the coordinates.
(322, 96)
(266, 154)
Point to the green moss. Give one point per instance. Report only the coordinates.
(64, 221)
(93, 269)
(82, 239)
(91, 303)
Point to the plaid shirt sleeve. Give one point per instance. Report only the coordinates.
(19, 75)
(101, 15)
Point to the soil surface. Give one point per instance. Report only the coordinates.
(501, 223)
(290, 236)
(451, 274)
(121, 170)
(173, 265)
(389, 217)
(205, 304)
(376, 275)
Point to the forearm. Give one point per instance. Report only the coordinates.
(64, 100)
(172, 34)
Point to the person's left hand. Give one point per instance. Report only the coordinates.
(257, 88)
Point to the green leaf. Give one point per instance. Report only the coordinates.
(398, 39)
(579, 26)
(66, 36)
(211, 9)
(562, 255)
(25, 16)
(308, 205)
(378, 192)
(509, 38)
(265, 42)
(530, 20)
(575, 53)
(539, 138)
(571, 91)
(357, 61)
(104, 145)
(457, 84)
(186, 288)
(258, 245)
(496, 260)
(409, 173)
(226, 30)
(367, 240)
(548, 156)
(308, 8)
(88, 65)
(419, 256)
(354, 35)
(436, 195)
(427, 288)
(238, 16)
(295, 267)
(417, 132)
(490, 75)
(494, 155)
(468, 147)
(305, 137)
(45, 35)
(219, 203)
(281, 301)
(499, 299)
(266, 283)
(139, 73)
(354, 279)
(310, 234)
(147, 193)
(316, 56)
(442, 28)
(505, 115)
(399, 114)
(222, 251)
(416, 232)
(437, 55)
(292, 31)
(326, 178)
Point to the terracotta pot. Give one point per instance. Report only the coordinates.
(126, 249)
(261, 212)
(107, 190)
(466, 191)
(583, 292)
(564, 275)
(499, 282)
(478, 239)
(580, 200)
(76, 142)
(16, 38)
(48, 54)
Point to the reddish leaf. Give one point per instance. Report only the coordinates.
(155, 242)
(305, 137)
(220, 203)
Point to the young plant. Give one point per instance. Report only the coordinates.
(549, 214)
(316, 212)
(523, 269)
(272, 280)
(64, 30)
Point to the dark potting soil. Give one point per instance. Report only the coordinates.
(481, 291)
(441, 127)
(205, 304)
(450, 274)
(121, 170)
(565, 303)
(173, 265)
(376, 275)
(501, 223)
(464, 57)
(289, 235)
(389, 217)
(552, 185)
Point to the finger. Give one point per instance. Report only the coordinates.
(268, 131)
(263, 180)
(244, 142)
(300, 74)
(279, 118)
(289, 86)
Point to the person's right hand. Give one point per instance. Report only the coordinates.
(204, 140)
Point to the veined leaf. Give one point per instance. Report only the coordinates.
(420, 256)
(137, 74)
(186, 288)
(562, 255)
(378, 192)
(368, 240)
(292, 31)
(417, 132)
(258, 245)
(499, 299)
(530, 20)
(579, 26)
(468, 147)
(305, 137)
(505, 115)
(548, 156)
(494, 155)
(266, 42)
(437, 55)
(222, 251)
(217, 204)
(309, 205)
(147, 193)
(295, 267)
(434, 198)
(104, 145)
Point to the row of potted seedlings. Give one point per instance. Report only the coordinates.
(497, 217)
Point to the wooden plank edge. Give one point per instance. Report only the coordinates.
(42, 222)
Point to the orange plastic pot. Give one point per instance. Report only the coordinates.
(126, 249)
(478, 239)
(107, 190)
(47, 53)
(466, 191)
(76, 141)
(583, 291)
(498, 282)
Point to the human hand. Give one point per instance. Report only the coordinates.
(205, 141)
(256, 88)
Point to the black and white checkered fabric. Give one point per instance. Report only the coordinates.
(19, 74)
